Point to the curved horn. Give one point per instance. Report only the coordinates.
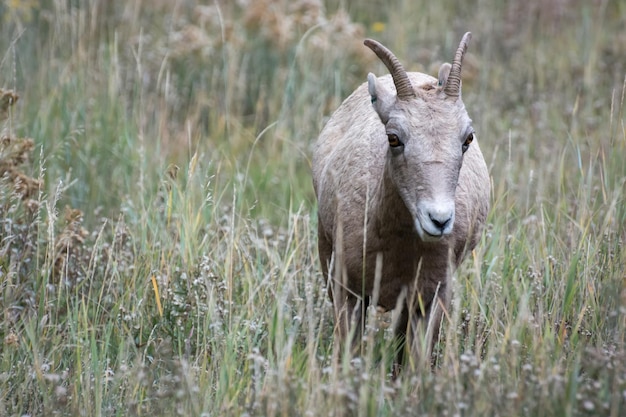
(453, 84)
(404, 89)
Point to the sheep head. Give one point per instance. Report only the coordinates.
(429, 131)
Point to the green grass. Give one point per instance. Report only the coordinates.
(157, 247)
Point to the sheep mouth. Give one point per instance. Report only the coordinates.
(427, 236)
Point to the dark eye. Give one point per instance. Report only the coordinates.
(394, 141)
(467, 142)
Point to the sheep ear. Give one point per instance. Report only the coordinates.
(444, 72)
(382, 99)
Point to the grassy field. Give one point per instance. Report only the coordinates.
(157, 247)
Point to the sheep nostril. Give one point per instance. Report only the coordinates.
(440, 224)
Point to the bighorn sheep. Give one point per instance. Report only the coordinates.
(399, 177)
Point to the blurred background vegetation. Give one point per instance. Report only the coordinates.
(157, 205)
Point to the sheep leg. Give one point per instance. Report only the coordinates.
(410, 332)
(347, 306)
(400, 333)
(434, 318)
(416, 324)
(343, 304)
(350, 315)
(325, 250)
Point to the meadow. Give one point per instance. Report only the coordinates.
(158, 223)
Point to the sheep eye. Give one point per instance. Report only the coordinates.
(467, 142)
(394, 141)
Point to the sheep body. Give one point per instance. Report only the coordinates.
(372, 199)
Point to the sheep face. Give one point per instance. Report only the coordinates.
(428, 135)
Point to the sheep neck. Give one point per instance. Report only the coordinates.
(389, 214)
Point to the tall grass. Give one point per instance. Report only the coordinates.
(158, 249)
